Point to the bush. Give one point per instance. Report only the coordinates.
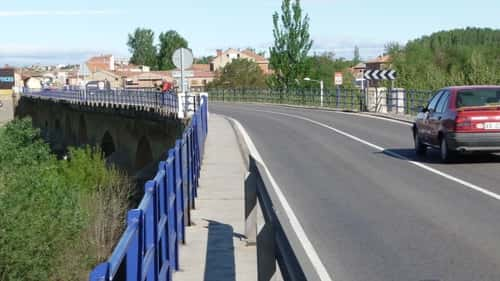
(58, 218)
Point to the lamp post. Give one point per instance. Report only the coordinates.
(320, 87)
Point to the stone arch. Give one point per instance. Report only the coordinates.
(107, 145)
(82, 131)
(46, 130)
(57, 124)
(143, 154)
(68, 131)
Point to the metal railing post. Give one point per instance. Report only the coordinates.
(251, 203)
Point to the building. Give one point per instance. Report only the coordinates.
(358, 70)
(10, 81)
(104, 62)
(115, 80)
(33, 83)
(200, 78)
(145, 80)
(380, 62)
(225, 57)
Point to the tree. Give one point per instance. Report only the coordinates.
(204, 60)
(240, 73)
(324, 66)
(356, 59)
(169, 42)
(455, 57)
(141, 45)
(292, 43)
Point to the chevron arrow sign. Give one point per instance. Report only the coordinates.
(388, 74)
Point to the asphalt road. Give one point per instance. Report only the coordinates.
(379, 215)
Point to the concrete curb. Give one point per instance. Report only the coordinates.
(408, 119)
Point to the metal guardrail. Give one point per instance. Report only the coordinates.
(149, 247)
(397, 101)
(280, 251)
(163, 102)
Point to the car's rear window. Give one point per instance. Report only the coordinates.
(478, 97)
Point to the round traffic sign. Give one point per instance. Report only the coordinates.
(183, 58)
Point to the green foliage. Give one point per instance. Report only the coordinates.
(292, 43)
(240, 73)
(141, 45)
(204, 60)
(356, 58)
(169, 42)
(457, 57)
(48, 208)
(324, 66)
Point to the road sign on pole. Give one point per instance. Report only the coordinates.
(387, 74)
(183, 59)
(339, 78)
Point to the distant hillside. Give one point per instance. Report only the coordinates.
(455, 57)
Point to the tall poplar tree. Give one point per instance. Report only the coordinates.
(292, 43)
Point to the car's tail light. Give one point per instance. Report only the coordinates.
(463, 123)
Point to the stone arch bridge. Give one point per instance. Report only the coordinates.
(132, 137)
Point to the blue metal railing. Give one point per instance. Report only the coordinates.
(149, 247)
(165, 102)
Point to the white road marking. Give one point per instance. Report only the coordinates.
(294, 221)
(378, 117)
(381, 149)
(360, 114)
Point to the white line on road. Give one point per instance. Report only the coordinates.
(377, 117)
(294, 221)
(381, 149)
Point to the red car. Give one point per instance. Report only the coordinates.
(459, 119)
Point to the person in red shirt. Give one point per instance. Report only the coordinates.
(167, 86)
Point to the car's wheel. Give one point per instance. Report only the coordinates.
(446, 154)
(420, 148)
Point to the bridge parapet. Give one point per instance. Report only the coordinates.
(164, 103)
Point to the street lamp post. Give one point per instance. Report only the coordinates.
(320, 87)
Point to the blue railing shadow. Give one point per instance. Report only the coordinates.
(149, 246)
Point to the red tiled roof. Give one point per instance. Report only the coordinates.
(256, 57)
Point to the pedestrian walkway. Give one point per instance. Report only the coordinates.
(215, 249)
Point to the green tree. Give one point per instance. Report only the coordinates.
(324, 66)
(141, 45)
(204, 60)
(240, 73)
(169, 42)
(58, 218)
(357, 58)
(455, 57)
(292, 43)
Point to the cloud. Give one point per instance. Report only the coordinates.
(58, 13)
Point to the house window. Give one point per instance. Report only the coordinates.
(212, 67)
(238, 56)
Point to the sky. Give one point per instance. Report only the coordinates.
(62, 31)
